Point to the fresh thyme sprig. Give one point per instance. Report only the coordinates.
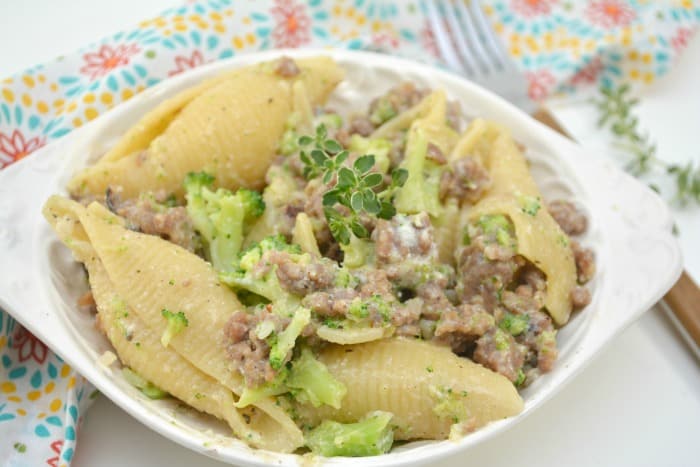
(616, 106)
(356, 185)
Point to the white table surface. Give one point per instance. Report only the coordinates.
(637, 404)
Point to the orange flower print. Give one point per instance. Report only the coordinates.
(610, 13)
(530, 8)
(540, 84)
(183, 63)
(15, 147)
(28, 346)
(107, 59)
(292, 24)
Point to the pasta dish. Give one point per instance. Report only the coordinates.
(323, 281)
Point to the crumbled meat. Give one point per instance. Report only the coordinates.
(374, 282)
(407, 313)
(499, 351)
(460, 326)
(466, 180)
(479, 276)
(585, 262)
(570, 219)
(435, 154)
(249, 353)
(404, 237)
(519, 303)
(333, 303)
(580, 297)
(147, 214)
(435, 302)
(399, 99)
(361, 125)
(301, 278)
(287, 68)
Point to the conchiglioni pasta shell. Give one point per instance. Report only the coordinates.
(539, 237)
(139, 347)
(230, 127)
(402, 376)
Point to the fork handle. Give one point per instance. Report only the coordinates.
(684, 297)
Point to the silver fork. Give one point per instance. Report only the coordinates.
(470, 48)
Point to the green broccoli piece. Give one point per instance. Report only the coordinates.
(421, 192)
(530, 205)
(378, 147)
(220, 216)
(311, 383)
(272, 388)
(308, 380)
(370, 436)
(383, 111)
(514, 324)
(244, 277)
(499, 227)
(149, 389)
(283, 343)
(176, 323)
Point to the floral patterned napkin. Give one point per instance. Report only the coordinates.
(565, 48)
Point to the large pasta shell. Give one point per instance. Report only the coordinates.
(411, 379)
(230, 127)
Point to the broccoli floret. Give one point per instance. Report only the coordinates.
(307, 379)
(498, 227)
(332, 121)
(514, 324)
(149, 389)
(284, 341)
(245, 277)
(530, 205)
(370, 436)
(311, 383)
(383, 111)
(421, 192)
(221, 217)
(176, 323)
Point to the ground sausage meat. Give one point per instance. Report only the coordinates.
(404, 237)
(465, 180)
(585, 262)
(570, 219)
(146, 214)
(287, 68)
(460, 326)
(499, 351)
(301, 278)
(249, 353)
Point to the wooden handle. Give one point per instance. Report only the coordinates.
(684, 296)
(684, 301)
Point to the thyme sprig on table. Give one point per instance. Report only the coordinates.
(356, 185)
(616, 106)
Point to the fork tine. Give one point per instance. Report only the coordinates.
(474, 41)
(459, 40)
(494, 45)
(443, 40)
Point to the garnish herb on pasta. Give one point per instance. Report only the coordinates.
(325, 281)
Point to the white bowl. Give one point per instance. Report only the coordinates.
(638, 259)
